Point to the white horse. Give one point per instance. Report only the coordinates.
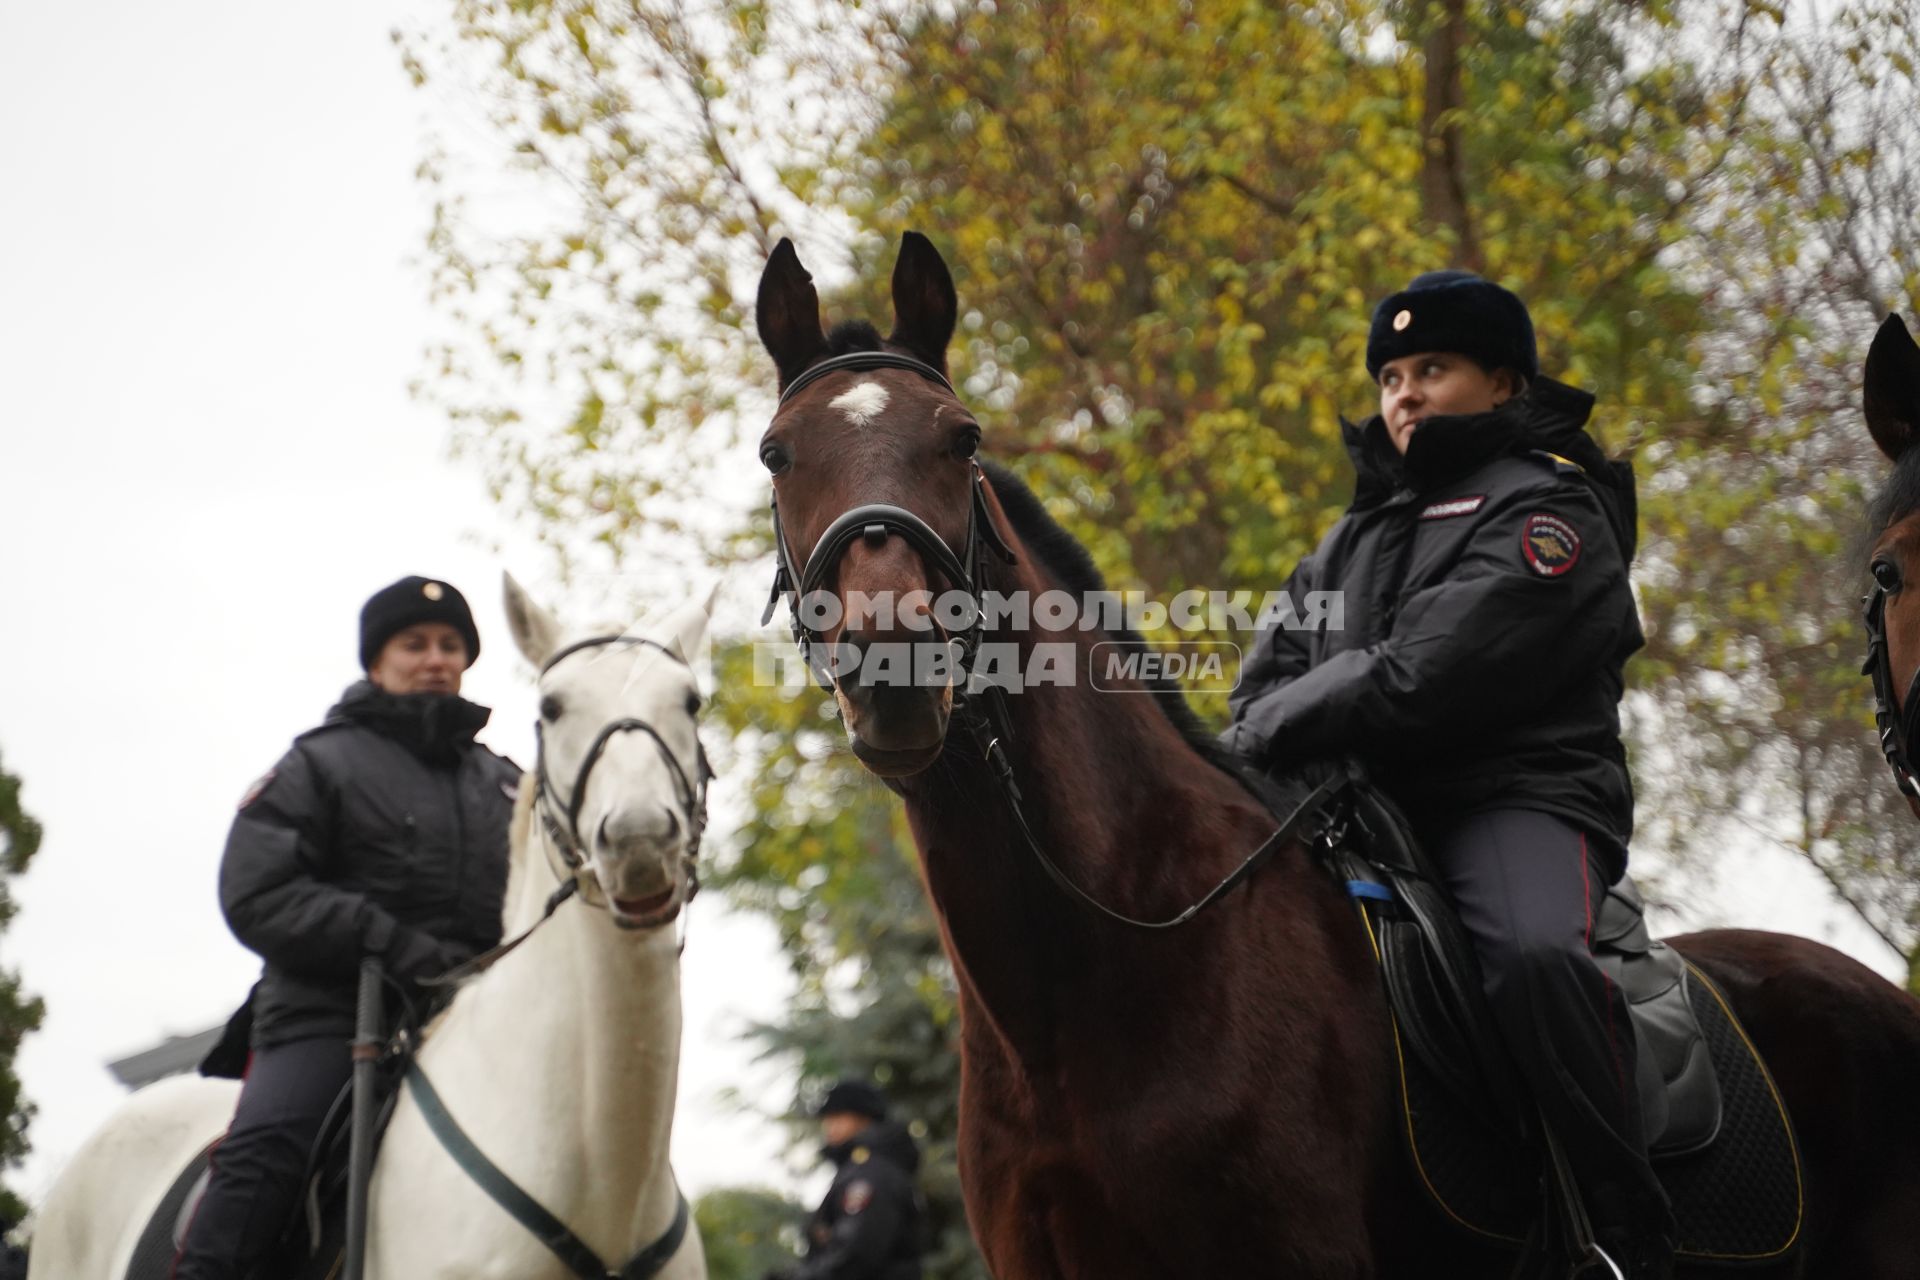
(560, 1061)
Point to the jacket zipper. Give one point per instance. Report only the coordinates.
(1405, 529)
(459, 847)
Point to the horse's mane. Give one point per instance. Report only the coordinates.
(1061, 554)
(1897, 499)
(852, 335)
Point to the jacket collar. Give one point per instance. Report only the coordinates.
(437, 727)
(883, 1139)
(1549, 415)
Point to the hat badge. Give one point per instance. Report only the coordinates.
(433, 591)
(1402, 320)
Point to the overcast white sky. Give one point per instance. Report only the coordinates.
(208, 458)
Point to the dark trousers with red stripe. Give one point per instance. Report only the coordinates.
(257, 1168)
(1528, 887)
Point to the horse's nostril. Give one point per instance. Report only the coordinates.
(639, 827)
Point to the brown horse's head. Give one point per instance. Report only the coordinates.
(863, 435)
(1892, 396)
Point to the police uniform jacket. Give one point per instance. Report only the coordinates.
(382, 832)
(1487, 619)
(871, 1224)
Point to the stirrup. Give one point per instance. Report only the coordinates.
(1598, 1264)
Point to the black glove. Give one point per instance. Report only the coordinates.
(413, 956)
(1238, 741)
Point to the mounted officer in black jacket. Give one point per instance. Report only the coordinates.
(1477, 673)
(871, 1225)
(383, 832)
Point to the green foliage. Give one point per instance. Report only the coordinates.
(1753, 575)
(20, 1013)
(602, 347)
(747, 1231)
(1167, 226)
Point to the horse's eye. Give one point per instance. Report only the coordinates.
(1887, 574)
(693, 704)
(774, 458)
(969, 443)
(550, 708)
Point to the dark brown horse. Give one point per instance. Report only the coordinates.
(1213, 1100)
(1892, 397)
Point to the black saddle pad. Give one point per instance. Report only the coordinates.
(1737, 1200)
(1736, 1189)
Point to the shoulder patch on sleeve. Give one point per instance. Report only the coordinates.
(1564, 466)
(1550, 545)
(1453, 507)
(259, 787)
(857, 1196)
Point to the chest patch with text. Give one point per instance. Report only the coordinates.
(1551, 545)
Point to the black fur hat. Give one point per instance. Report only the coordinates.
(409, 601)
(1454, 311)
(854, 1097)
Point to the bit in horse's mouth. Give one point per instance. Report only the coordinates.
(896, 764)
(649, 912)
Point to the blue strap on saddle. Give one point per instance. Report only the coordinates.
(1369, 889)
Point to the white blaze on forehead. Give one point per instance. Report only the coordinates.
(862, 404)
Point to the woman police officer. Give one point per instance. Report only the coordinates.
(381, 833)
(1478, 676)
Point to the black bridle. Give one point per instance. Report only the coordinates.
(874, 522)
(565, 839)
(1895, 721)
(575, 1253)
(979, 706)
(692, 792)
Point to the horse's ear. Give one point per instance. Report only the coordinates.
(925, 306)
(788, 313)
(1893, 388)
(685, 629)
(535, 631)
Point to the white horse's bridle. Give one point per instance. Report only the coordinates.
(692, 791)
(565, 839)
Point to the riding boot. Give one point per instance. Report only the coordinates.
(1528, 886)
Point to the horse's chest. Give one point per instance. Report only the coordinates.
(1202, 1203)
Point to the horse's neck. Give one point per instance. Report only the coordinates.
(571, 1044)
(1120, 803)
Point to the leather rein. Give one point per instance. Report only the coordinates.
(564, 836)
(978, 705)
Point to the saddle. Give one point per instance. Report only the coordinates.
(312, 1242)
(1433, 981)
(1718, 1134)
